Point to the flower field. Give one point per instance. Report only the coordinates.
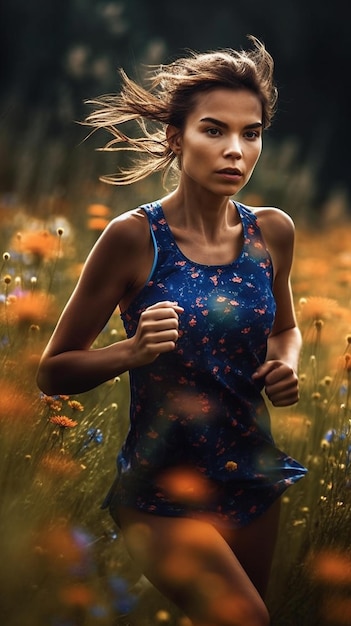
(63, 559)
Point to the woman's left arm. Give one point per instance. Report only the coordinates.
(279, 370)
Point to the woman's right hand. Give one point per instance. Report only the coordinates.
(157, 332)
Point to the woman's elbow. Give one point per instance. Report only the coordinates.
(45, 379)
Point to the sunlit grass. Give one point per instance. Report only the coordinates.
(64, 562)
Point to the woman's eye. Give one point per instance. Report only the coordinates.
(252, 134)
(213, 132)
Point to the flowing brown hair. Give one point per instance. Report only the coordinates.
(169, 100)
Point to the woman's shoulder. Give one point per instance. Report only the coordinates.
(129, 229)
(124, 246)
(276, 225)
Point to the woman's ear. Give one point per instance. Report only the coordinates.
(174, 139)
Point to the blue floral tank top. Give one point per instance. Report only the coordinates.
(200, 439)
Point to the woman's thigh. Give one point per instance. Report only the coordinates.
(191, 563)
(253, 545)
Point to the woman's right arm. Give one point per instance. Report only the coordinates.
(118, 263)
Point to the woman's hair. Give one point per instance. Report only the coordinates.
(169, 100)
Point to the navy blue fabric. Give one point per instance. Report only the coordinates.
(200, 439)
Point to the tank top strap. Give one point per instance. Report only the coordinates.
(159, 224)
(249, 221)
(161, 234)
(164, 242)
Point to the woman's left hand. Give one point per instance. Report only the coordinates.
(281, 382)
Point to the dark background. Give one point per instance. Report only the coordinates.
(58, 53)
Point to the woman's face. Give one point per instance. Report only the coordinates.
(221, 141)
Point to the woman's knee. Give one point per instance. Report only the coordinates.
(230, 611)
(191, 564)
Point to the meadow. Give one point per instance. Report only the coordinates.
(63, 559)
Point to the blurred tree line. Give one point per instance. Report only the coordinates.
(58, 54)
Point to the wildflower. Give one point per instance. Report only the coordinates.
(60, 465)
(75, 405)
(7, 279)
(316, 395)
(40, 244)
(6, 256)
(14, 404)
(185, 485)
(62, 421)
(162, 617)
(318, 324)
(98, 210)
(52, 402)
(30, 308)
(95, 434)
(317, 308)
(78, 595)
(328, 438)
(97, 223)
(59, 232)
(329, 435)
(294, 426)
(330, 566)
(60, 546)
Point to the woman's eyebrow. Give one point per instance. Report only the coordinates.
(213, 120)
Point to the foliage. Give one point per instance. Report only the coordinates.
(60, 54)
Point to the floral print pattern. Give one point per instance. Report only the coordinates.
(196, 410)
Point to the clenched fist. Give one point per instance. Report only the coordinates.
(157, 332)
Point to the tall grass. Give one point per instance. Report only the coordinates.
(63, 560)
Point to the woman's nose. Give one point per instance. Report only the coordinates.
(233, 147)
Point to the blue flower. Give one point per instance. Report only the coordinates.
(95, 434)
(329, 435)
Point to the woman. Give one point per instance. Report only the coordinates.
(202, 283)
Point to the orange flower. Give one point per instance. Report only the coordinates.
(75, 405)
(31, 308)
(62, 421)
(14, 403)
(318, 308)
(98, 210)
(59, 546)
(77, 595)
(41, 244)
(97, 223)
(60, 465)
(330, 566)
(185, 485)
(51, 402)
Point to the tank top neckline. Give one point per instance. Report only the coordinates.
(238, 206)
